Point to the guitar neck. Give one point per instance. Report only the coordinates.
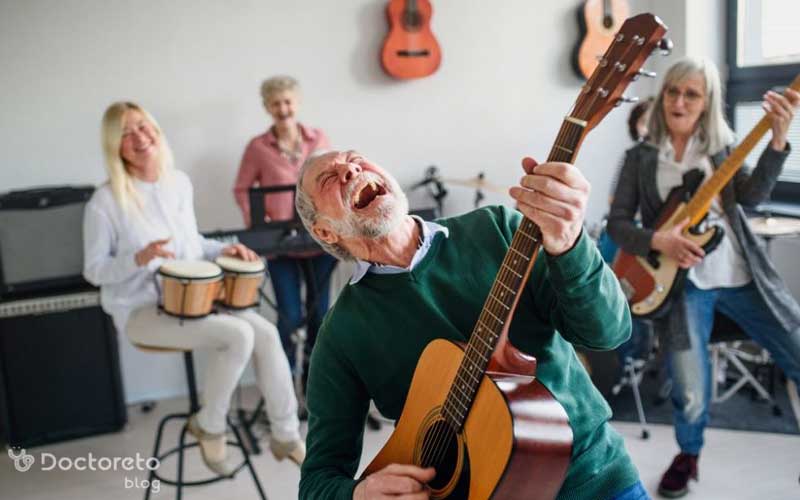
(635, 41)
(699, 204)
(508, 284)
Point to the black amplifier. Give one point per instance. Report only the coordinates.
(41, 239)
(59, 370)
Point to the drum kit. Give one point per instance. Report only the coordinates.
(190, 289)
(437, 190)
(770, 227)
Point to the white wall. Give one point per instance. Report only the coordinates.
(504, 85)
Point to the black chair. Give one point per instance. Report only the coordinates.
(179, 482)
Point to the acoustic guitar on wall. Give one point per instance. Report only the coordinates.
(410, 49)
(598, 22)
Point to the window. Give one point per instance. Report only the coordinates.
(745, 116)
(763, 52)
(767, 32)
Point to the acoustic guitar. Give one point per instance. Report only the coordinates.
(652, 282)
(598, 21)
(410, 49)
(476, 411)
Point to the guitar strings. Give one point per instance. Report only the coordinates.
(436, 444)
(435, 449)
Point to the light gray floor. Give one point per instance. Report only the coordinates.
(735, 465)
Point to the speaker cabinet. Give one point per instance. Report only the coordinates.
(59, 370)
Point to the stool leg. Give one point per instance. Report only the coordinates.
(247, 461)
(156, 449)
(190, 379)
(247, 426)
(181, 447)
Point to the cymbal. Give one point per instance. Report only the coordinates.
(477, 182)
(774, 226)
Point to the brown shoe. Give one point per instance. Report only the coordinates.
(293, 450)
(213, 449)
(675, 482)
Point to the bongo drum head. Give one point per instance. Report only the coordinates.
(236, 265)
(191, 269)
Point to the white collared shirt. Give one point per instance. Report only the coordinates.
(428, 231)
(725, 266)
(112, 237)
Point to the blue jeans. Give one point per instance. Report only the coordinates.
(691, 369)
(635, 492)
(285, 273)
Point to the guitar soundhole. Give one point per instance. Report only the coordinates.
(440, 450)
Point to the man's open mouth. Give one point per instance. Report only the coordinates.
(367, 194)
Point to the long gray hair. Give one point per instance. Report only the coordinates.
(714, 131)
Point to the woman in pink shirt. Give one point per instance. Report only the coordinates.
(274, 158)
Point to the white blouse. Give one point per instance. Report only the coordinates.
(111, 238)
(725, 266)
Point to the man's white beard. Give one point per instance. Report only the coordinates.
(390, 214)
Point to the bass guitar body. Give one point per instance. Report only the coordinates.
(516, 441)
(651, 283)
(410, 49)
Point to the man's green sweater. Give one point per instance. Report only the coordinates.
(371, 339)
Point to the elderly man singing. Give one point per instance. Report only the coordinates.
(416, 281)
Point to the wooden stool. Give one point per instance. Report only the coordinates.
(194, 407)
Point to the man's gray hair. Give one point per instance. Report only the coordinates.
(308, 211)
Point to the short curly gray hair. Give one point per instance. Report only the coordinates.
(308, 211)
(281, 83)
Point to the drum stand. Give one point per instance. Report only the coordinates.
(633, 372)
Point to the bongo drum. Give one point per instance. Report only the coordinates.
(189, 287)
(242, 281)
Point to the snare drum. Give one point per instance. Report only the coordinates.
(243, 279)
(189, 287)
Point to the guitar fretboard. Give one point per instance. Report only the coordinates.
(499, 305)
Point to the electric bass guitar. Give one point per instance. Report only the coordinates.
(598, 22)
(652, 282)
(410, 49)
(476, 412)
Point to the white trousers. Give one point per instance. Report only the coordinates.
(231, 337)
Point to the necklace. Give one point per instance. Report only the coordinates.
(291, 152)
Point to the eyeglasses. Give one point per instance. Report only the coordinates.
(690, 96)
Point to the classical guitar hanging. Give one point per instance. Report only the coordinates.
(476, 412)
(598, 22)
(651, 282)
(410, 49)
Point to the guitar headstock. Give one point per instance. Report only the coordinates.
(638, 37)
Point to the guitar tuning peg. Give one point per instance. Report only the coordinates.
(665, 46)
(626, 99)
(645, 73)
